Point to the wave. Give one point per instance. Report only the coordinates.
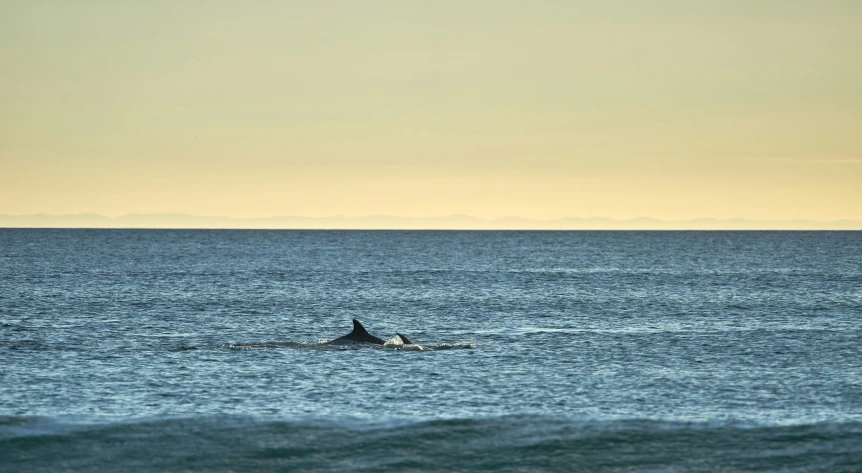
(515, 443)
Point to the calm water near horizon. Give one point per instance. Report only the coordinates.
(204, 350)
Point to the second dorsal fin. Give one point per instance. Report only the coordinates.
(404, 339)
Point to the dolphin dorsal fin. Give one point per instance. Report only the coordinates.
(404, 339)
(358, 329)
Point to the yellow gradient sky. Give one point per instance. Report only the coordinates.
(539, 109)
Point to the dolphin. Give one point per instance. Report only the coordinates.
(359, 335)
(407, 344)
(404, 339)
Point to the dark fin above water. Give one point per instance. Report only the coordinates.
(358, 329)
(404, 339)
(359, 335)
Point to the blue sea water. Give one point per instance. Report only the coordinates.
(203, 350)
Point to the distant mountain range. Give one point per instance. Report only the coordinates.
(451, 222)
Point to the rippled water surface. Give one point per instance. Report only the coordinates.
(594, 351)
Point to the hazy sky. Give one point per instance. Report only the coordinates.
(540, 109)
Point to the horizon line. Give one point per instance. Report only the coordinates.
(391, 222)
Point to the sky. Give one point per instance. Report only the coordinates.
(536, 109)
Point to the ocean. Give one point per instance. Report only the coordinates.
(205, 350)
